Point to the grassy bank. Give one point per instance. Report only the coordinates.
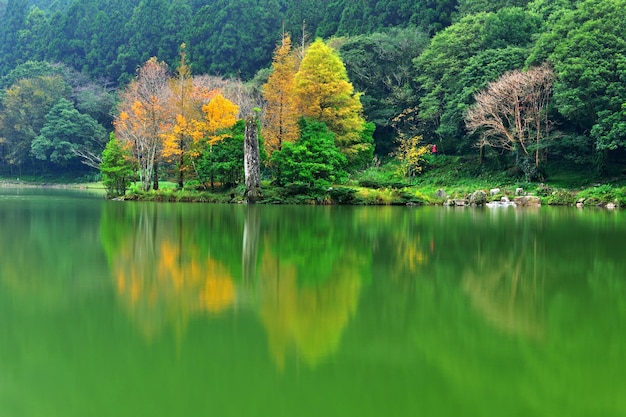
(444, 177)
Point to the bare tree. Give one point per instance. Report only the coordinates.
(142, 118)
(511, 113)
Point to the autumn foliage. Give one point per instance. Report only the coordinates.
(281, 115)
(171, 119)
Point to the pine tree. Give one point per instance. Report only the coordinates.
(280, 123)
(116, 167)
(326, 94)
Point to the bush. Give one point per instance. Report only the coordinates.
(313, 160)
(344, 195)
(116, 168)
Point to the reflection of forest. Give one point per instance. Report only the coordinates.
(46, 250)
(163, 276)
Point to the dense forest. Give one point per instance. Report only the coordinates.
(519, 84)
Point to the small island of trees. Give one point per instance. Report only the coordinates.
(523, 94)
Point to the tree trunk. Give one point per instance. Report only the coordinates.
(181, 174)
(155, 185)
(251, 162)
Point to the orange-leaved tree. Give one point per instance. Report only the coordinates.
(142, 118)
(186, 128)
(280, 121)
(326, 94)
(220, 114)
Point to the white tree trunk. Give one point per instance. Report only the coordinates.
(251, 164)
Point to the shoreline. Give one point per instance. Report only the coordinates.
(411, 196)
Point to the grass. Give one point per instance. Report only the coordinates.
(381, 185)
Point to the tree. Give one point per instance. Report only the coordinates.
(142, 118)
(252, 160)
(224, 161)
(24, 108)
(411, 156)
(587, 47)
(66, 134)
(220, 114)
(222, 41)
(381, 66)
(512, 114)
(313, 160)
(280, 121)
(116, 167)
(187, 129)
(325, 94)
(461, 60)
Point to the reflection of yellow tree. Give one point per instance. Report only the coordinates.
(508, 293)
(167, 287)
(311, 317)
(409, 251)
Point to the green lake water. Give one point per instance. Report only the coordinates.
(141, 309)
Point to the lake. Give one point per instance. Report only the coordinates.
(144, 309)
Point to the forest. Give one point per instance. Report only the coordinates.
(518, 87)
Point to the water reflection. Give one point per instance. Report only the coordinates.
(162, 277)
(507, 290)
(307, 317)
(320, 311)
(304, 290)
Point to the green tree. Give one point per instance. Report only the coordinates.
(587, 47)
(313, 160)
(116, 167)
(66, 134)
(224, 161)
(326, 94)
(24, 108)
(13, 21)
(380, 65)
(234, 38)
(449, 69)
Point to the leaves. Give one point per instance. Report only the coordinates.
(280, 121)
(65, 132)
(326, 94)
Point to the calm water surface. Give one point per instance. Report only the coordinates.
(132, 309)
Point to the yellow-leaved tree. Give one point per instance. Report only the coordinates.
(325, 93)
(280, 121)
(186, 127)
(219, 114)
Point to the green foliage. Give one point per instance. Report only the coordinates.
(234, 38)
(375, 15)
(24, 107)
(461, 60)
(313, 161)
(380, 66)
(224, 161)
(65, 132)
(602, 194)
(343, 195)
(116, 168)
(587, 48)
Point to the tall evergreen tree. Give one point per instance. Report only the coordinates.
(326, 94)
(13, 20)
(280, 121)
